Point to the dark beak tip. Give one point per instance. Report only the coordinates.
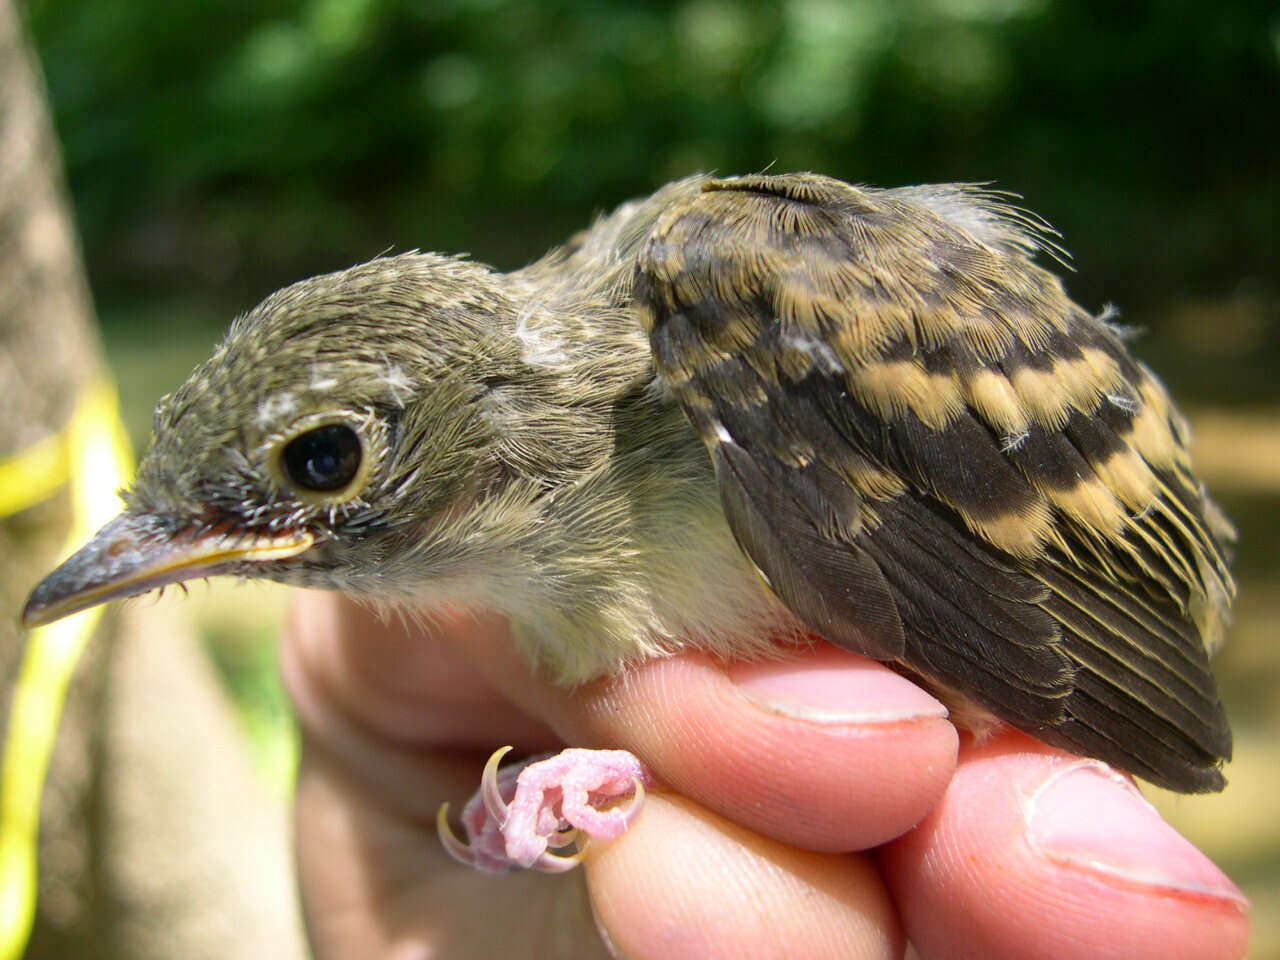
(40, 610)
(129, 557)
(73, 585)
(30, 618)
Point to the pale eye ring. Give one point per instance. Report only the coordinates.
(324, 459)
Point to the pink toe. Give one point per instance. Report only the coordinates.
(522, 810)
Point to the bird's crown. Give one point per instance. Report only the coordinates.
(299, 412)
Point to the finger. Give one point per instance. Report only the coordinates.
(410, 681)
(373, 879)
(1034, 853)
(661, 891)
(819, 748)
(376, 883)
(383, 699)
(822, 749)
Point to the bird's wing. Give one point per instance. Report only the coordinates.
(935, 457)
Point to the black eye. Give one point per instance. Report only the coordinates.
(324, 459)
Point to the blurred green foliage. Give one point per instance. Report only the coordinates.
(248, 142)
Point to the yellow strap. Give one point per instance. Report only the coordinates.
(34, 474)
(92, 453)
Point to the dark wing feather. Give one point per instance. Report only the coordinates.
(936, 458)
(828, 581)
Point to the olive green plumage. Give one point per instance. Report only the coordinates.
(735, 412)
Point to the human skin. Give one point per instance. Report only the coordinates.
(771, 773)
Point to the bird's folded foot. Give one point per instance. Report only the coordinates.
(521, 814)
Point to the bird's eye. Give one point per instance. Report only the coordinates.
(323, 460)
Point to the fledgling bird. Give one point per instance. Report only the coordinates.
(738, 411)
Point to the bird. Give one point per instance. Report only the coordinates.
(741, 412)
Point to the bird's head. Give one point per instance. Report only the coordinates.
(337, 420)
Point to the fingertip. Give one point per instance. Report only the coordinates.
(1088, 817)
(1032, 853)
(827, 685)
(684, 882)
(821, 749)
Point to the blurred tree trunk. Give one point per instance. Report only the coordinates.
(156, 838)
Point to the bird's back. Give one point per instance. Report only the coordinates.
(936, 458)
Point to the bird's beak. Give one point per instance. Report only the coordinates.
(129, 556)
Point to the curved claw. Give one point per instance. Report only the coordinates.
(557, 802)
(633, 808)
(555, 863)
(563, 838)
(449, 840)
(492, 796)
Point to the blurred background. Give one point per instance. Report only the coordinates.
(218, 149)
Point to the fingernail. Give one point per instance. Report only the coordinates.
(827, 685)
(1090, 818)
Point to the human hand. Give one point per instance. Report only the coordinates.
(773, 769)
